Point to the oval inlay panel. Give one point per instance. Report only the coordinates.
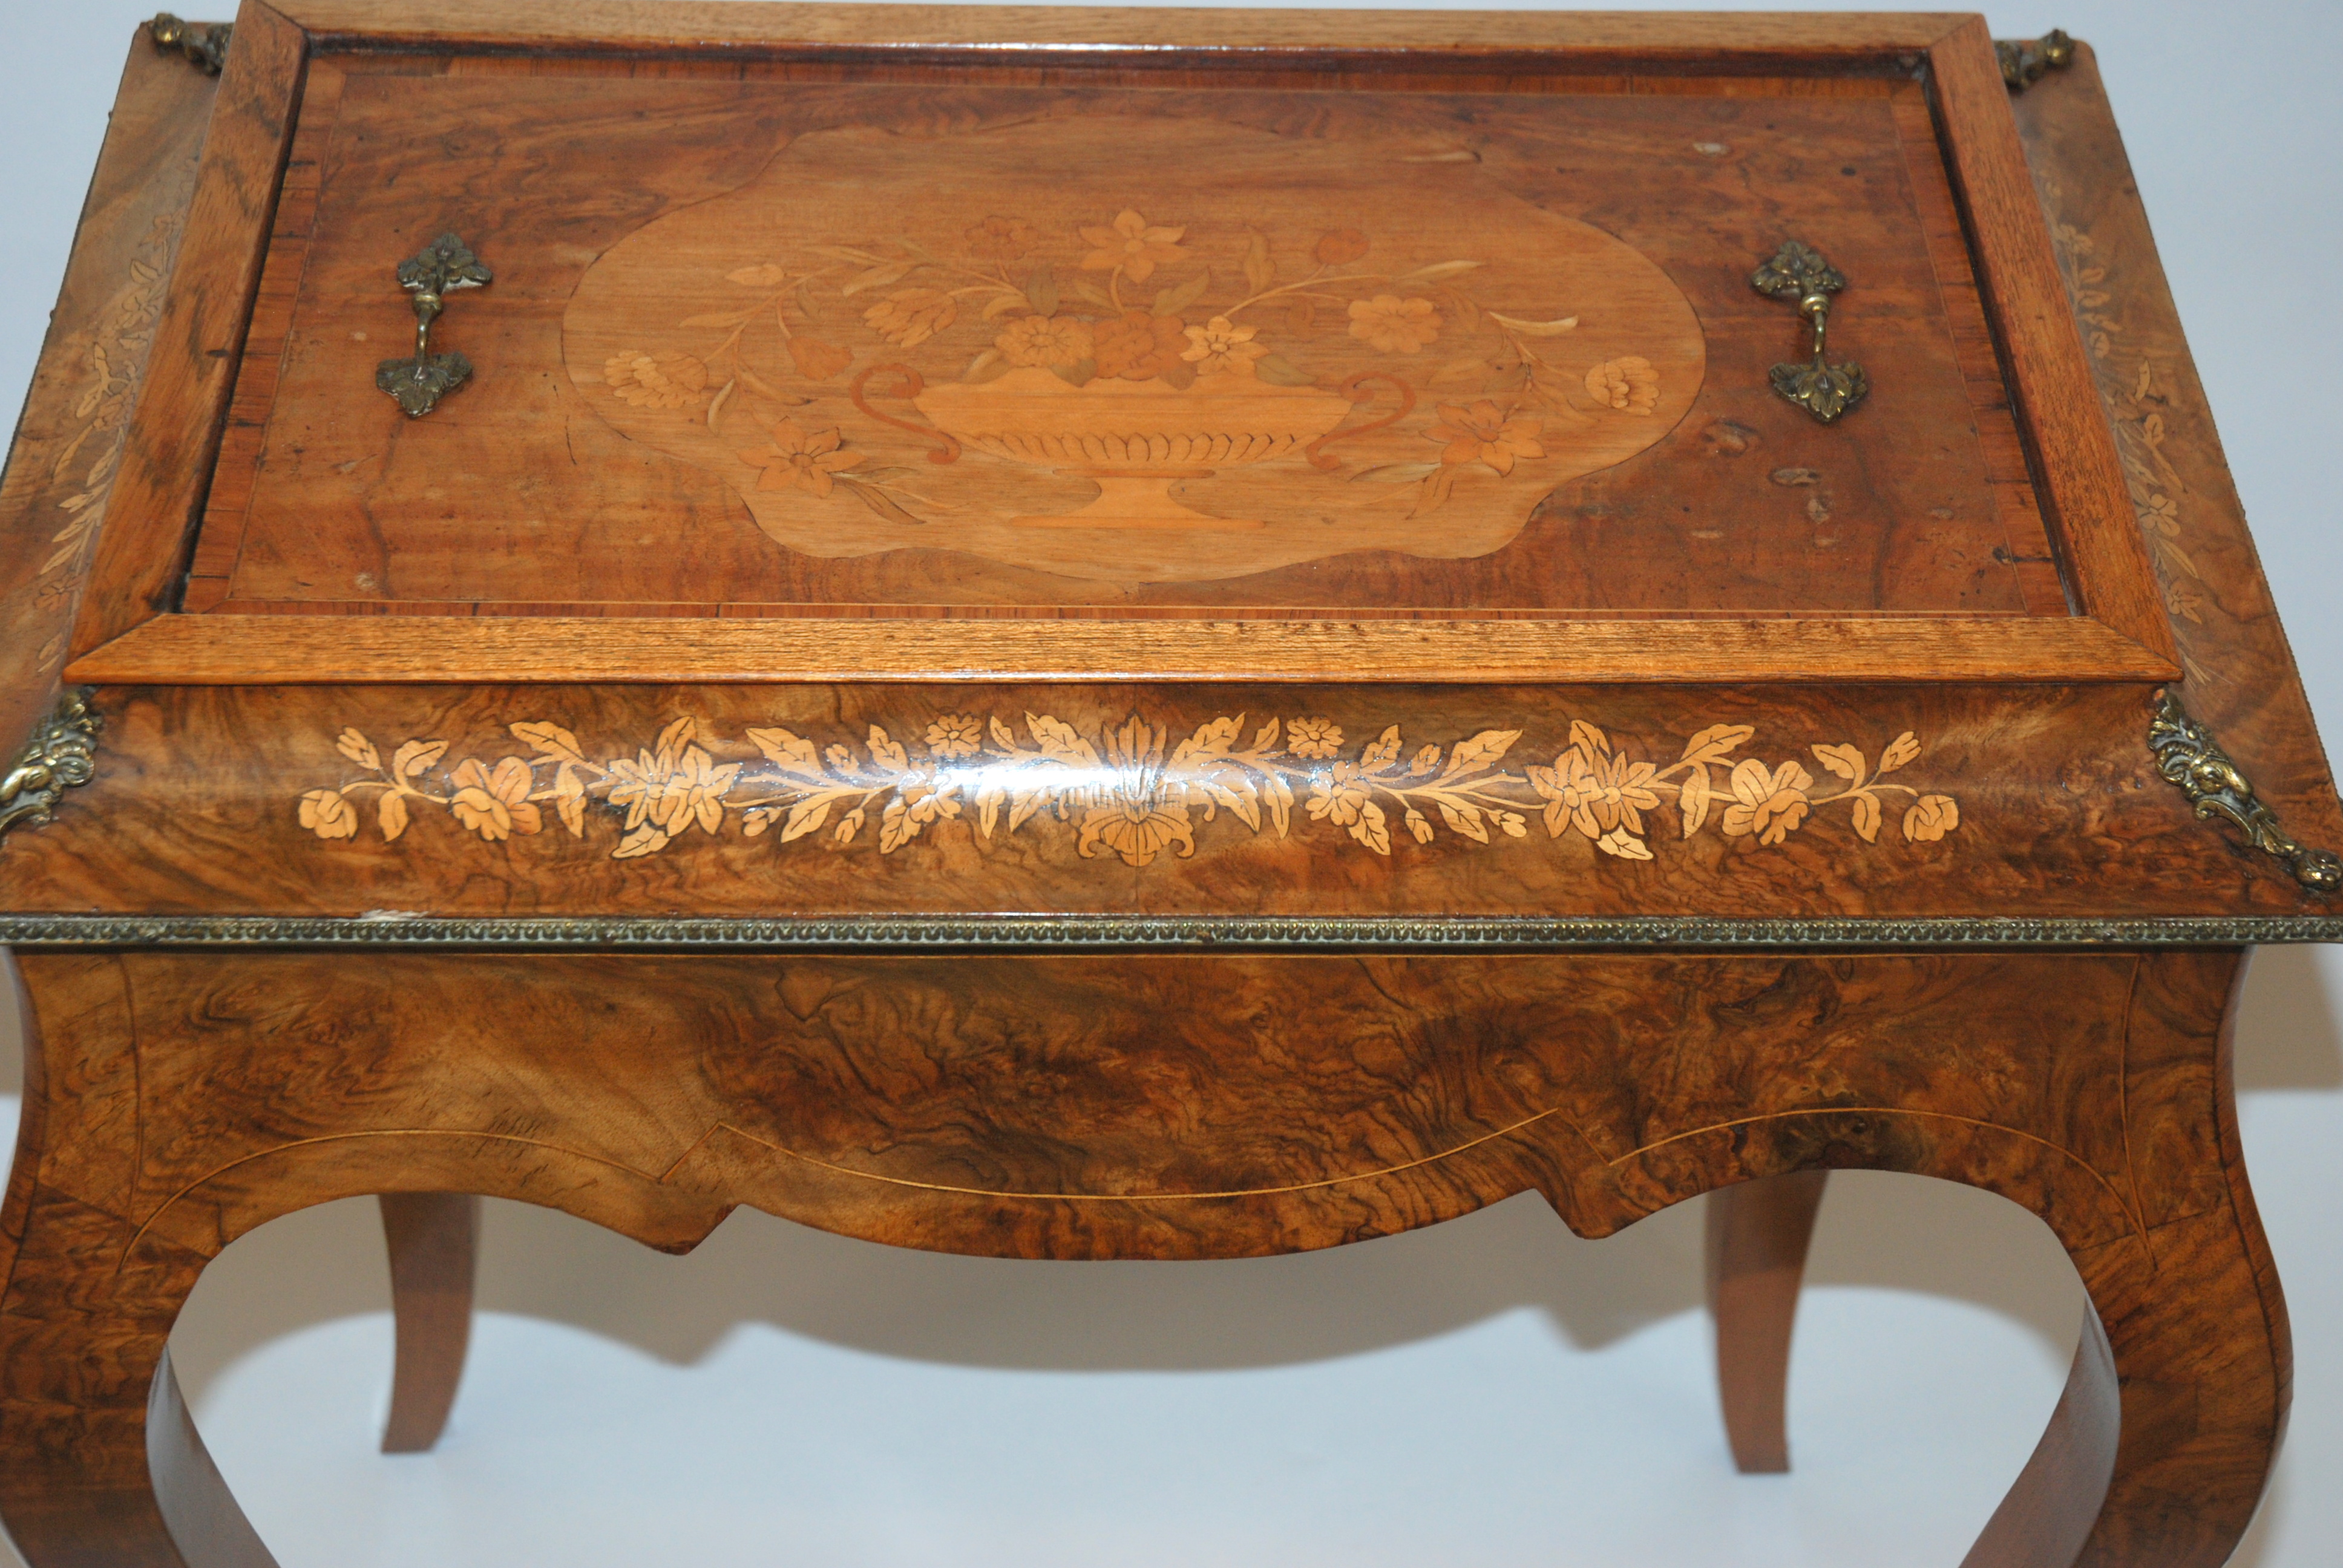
(1132, 350)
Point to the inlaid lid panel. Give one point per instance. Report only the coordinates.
(903, 347)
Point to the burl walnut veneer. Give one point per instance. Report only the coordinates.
(1091, 634)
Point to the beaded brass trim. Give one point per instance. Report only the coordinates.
(1079, 933)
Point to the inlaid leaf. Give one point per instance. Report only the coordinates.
(1716, 742)
(1383, 753)
(1267, 738)
(1279, 371)
(414, 757)
(765, 276)
(1280, 796)
(806, 816)
(1515, 825)
(1537, 328)
(896, 828)
(1434, 273)
(392, 814)
(1624, 845)
(887, 751)
(1260, 270)
(791, 750)
(716, 405)
(1370, 830)
(1426, 760)
(880, 276)
(1418, 825)
(570, 800)
(878, 501)
(1177, 298)
(550, 740)
(1900, 750)
(1483, 750)
(988, 806)
(1058, 738)
(1589, 738)
(1844, 760)
(1042, 292)
(1691, 799)
(675, 736)
(647, 839)
(1463, 819)
(847, 825)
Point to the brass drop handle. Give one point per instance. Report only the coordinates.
(433, 273)
(1799, 273)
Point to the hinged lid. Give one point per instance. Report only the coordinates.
(774, 341)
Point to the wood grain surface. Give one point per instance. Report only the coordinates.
(69, 442)
(1142, 800)
(173, 434)
(1123, 1106)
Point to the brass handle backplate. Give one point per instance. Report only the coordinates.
(1800, 274)
(437, 270)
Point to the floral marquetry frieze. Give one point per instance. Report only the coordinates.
(1137, 791)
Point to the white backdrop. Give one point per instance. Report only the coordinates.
(1493, 1390)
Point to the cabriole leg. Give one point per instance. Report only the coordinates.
(434, 1242)
(1757, 1238)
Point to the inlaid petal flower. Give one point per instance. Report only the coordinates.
(955, 735)
(1138, 346)
(1630, 385)
(1221, 346)
(796, 460)
(1317, 739)
(1045, 342)
(495, 804)
(1341, 798)
(326, 814)
(1482, 432)
(1931, 818)
(1132, 246)
(1769, 803)
(1393, 324)
(997, 238)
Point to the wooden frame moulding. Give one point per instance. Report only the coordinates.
(127, 635)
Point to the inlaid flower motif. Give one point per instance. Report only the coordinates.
(1137, 345)
(495, 804)
(673, 786)
(1132, 246)
(997, 238)
(796, 460)
(1393, 324)
(325, 813)
(1630, 385)
(1139, 816)
(1219, 346)
(655, 380)
(1317, 739)
(1339, 245)
(1339, 798)
(817, 360)
(1769, 803)
(955, 735)
(1483, 433)
(1599, 794)
(910, 317)
(1046, 342)
(1931, 818)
